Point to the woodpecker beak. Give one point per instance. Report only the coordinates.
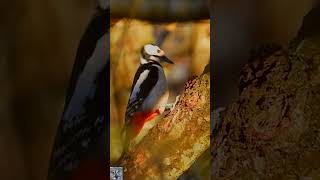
(165, 59)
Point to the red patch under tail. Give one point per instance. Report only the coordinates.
(140, 118)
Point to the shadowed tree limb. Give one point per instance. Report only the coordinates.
(272, 130)
(172, 146)
(160, 11)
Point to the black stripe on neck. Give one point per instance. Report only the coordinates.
(151, 62)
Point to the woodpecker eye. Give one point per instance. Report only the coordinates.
(158, 51)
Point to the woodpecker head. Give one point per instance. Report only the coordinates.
(152, 52)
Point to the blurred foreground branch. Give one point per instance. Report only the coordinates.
(272, 131)
(172, 146)
(160, 11)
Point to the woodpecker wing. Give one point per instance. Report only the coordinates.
(84, 119)
(144, 81)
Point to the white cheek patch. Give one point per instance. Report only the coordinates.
(143, 61)
(151, 49)
(154, 58)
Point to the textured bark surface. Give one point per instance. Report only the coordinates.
(172, 146)
(272, 131)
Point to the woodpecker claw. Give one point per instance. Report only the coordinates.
(171, 106)
(177, 100)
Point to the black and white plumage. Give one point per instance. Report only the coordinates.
(83, 132)
(149, 81)
(149, 92)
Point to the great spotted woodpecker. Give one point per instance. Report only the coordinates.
(81, 149)
(149, 93)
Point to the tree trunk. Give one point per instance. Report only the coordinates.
(272, 131)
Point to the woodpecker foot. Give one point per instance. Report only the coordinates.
(171, 106)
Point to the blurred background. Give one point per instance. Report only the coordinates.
(186, 44)
(240, 26)
(38, 41)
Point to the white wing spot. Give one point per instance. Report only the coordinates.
(136, 88)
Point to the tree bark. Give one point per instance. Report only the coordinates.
(272, 131)
(172, 146)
